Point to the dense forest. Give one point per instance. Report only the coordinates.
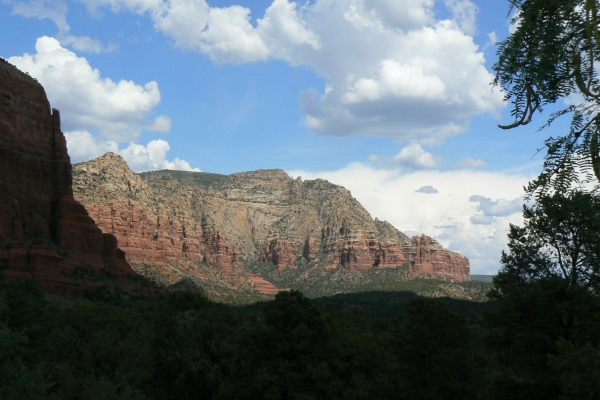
(536, 337)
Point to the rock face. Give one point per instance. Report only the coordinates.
(161, 228)
(45, 234)
(174, 219)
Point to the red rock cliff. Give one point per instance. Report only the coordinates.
(44, 233)
(178, 216)
(164, 235)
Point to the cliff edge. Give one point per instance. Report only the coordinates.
(45, 234)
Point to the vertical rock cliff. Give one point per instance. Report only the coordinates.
(45, 234)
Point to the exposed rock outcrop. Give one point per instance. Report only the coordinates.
(168, 217)
(162, 228)
(45, 234)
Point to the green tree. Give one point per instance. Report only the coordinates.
(96, 350)
(548, 291)
(434, 352)
(552, 55)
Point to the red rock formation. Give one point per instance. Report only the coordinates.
(164, 236)
(260, 215)
(429, 258)
(44, 233)
(280, 252)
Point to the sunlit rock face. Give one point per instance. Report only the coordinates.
(172, 220)
(45, 234)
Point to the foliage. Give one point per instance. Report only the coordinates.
(548, 293)
(550, 56)
(434, 351)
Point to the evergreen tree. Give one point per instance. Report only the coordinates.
(548, 293)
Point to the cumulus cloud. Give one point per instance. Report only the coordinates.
(119, 111)
(391, 67)
(427, 189)
(389, 194)
(153, 157)
(84, 146)
(470, 163)
(227, 35)
(413, 156)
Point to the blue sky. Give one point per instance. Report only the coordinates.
(388, 98)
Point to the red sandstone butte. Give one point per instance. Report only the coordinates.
(45, 235)
(429, 258)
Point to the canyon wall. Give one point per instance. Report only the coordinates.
(176, 219)
(45, 234)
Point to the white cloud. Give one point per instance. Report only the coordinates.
(464, 14)
(227, 35)
(137, 6)
(413, 156)
(153, 157)
(389, 194)
(86, 44)
(470, 163)
(119, 111)
(395, 79)
(84, 146)
(427, 189)
(391, 67)
(54, 10)
(493, 40)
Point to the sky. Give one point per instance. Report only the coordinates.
(391, 99)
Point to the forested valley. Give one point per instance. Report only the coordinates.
(536, 337)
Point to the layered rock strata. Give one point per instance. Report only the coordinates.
(162, 228)
(45, 234)
(172, 217)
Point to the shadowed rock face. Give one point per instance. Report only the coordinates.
(168, 218)
(45, 234)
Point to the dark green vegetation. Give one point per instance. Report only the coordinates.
(536, 338)
(549, 306)
(552, 54)
(482, 278)
(315, 280)
(363, 346)
(202, 179)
